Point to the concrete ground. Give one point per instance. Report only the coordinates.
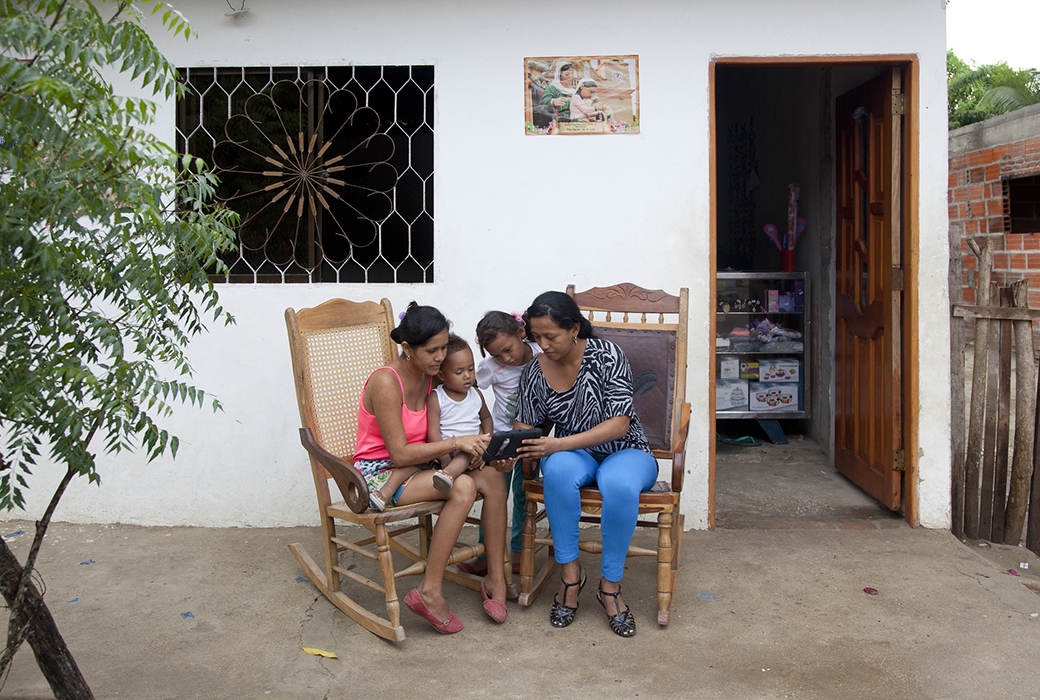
(787, 486)
(772, 604)
(758, 613)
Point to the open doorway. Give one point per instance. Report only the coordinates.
(776, 139)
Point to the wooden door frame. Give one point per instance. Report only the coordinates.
(911, 248)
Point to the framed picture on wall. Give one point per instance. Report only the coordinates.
(570, 95)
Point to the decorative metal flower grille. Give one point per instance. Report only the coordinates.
(330, 169)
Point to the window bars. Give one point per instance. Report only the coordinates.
(330, 169)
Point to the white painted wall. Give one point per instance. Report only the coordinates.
(645, 196)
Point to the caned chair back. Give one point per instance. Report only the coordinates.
(650, 327)
(335, 347)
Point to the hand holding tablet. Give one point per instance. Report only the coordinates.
(504, 444)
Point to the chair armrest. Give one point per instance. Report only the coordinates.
(350, 482)
(679, 450)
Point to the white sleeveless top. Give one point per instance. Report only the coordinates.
(459, 417)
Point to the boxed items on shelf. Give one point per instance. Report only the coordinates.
(745, 344)
(731, 394)
(781, 370)
(764, 322)
(729, 368)
(771, 396)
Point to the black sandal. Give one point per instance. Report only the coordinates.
(621, 623)
(561, 615)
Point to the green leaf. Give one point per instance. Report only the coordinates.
(105, 235)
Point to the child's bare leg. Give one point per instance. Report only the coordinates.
(381, 496)
(444, 478)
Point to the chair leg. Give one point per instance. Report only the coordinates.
(372, 623)
(665, 557)
(677, 533)
(531, 585)
(386, 568)
(328, 531)
(527, 549)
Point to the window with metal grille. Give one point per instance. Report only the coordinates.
(1022, 205)
(329, 168)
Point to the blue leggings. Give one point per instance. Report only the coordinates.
(620, 478)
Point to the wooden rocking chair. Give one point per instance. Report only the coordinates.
(335, 347)
(650, 326)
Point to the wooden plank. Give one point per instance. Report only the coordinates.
(958, 429)
(985, 311)
(958, 359)
(958, 355)
(993, 396)
(893, 352)
(1025, 417)
(1033, 527)
(976, 421)
(911, 300)
(998, 493)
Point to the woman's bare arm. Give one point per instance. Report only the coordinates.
(383, 399)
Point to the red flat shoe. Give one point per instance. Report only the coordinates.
(414, 600)
(495, 608)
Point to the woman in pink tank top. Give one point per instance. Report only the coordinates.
(392, 426)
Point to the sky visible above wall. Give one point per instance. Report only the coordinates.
(991, 31)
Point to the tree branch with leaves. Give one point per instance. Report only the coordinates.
(105, 238)
(978, 93)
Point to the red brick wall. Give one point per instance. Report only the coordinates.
(976, 202)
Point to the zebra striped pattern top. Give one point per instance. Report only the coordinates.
(602, 390)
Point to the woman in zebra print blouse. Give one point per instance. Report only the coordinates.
(584, 386)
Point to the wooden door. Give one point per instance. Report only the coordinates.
(868, 376)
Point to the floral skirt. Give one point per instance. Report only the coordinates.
(376, 473)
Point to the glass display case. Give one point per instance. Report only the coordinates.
(762, 336)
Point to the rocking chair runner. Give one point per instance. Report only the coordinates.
(335, 347)
(650, 326)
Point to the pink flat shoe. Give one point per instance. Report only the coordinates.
(494, 608)
(414, 600)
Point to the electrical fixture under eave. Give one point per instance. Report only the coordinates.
(236, 13)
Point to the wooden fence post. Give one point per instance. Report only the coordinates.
(977, 419)
(1025, 419)
(996, 495)
(997, 404)
(1033, 527)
